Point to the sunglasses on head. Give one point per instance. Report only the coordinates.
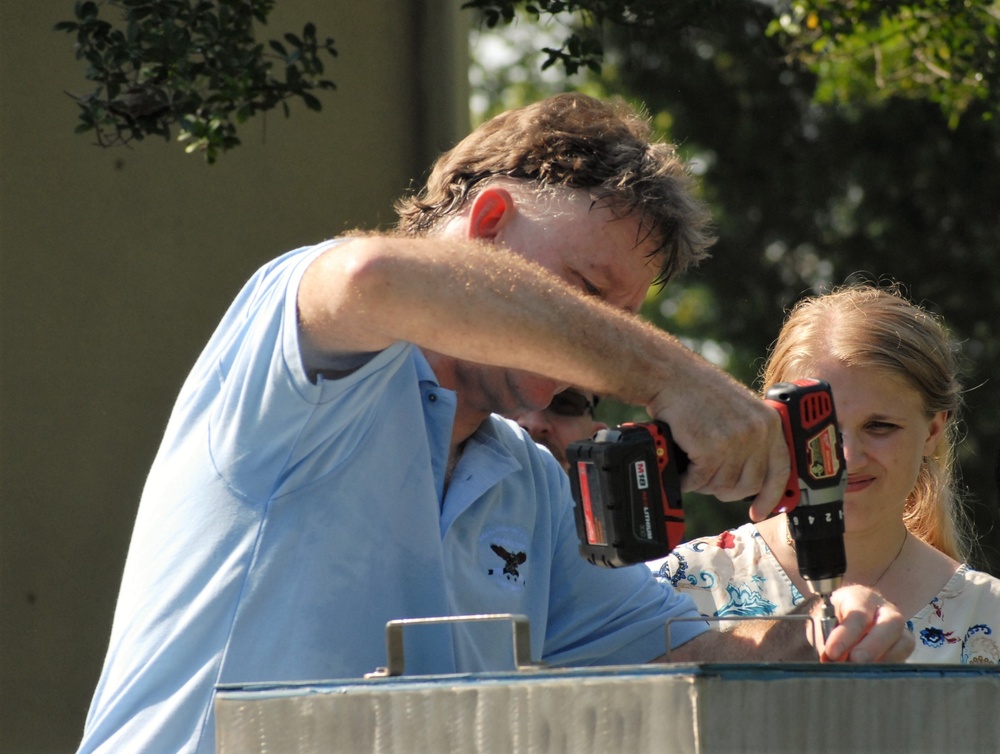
(571, 403)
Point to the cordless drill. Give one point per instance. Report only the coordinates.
(626, 484)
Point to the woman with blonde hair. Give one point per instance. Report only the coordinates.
(892, 367)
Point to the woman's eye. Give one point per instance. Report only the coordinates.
(882, 426)
(590, 288)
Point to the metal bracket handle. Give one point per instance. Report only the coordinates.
(394, 640)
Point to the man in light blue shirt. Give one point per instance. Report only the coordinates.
(334, 460)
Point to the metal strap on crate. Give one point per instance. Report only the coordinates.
(394, 640)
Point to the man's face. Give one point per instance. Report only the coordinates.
(568, 418)
(592, 250)
(586, 245)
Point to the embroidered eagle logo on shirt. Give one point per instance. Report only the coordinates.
(511, 561)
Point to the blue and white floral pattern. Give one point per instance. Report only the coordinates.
(735, 574)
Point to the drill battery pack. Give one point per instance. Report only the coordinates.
(626, 485)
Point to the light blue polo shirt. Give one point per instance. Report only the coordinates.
(284, 523)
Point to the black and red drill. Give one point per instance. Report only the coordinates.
(626, 484)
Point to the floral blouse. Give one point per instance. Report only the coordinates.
(735, 574)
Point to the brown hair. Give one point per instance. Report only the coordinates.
(868, 326)
(574, 141)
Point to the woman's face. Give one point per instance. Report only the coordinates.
(886, 435)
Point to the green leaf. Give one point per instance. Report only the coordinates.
(311, 102)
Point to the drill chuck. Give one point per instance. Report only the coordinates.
(817, 532)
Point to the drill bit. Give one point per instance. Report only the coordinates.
(829, 619)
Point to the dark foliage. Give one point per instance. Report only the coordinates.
(811, 189)
(190, 65)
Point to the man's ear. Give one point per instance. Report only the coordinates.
(492, 209)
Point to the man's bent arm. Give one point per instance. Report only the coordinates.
(482, 303)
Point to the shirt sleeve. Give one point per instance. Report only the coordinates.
(266, 418)
(732, 574)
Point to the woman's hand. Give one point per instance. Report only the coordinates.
(869, 629)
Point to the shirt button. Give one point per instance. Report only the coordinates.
(432, 397)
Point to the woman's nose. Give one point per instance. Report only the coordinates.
(853, 449)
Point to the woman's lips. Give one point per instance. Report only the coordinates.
(857, 484)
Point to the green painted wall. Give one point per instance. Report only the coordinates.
(115, 266)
